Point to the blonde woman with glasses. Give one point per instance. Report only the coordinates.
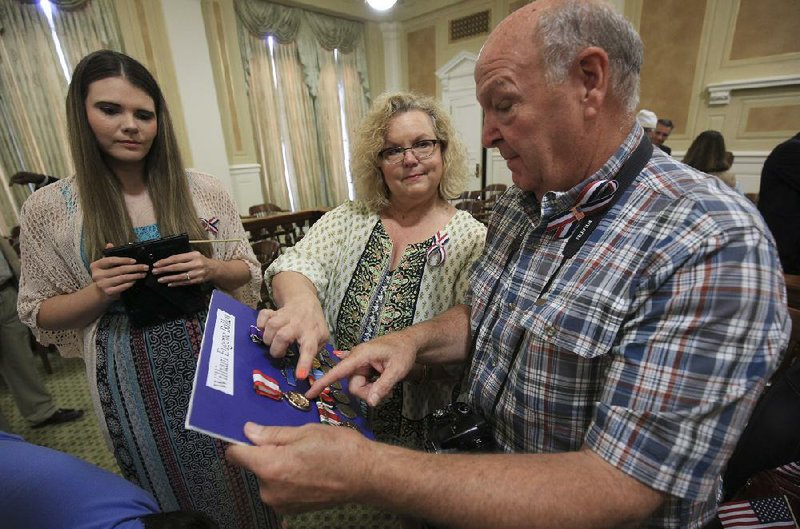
(400, 253)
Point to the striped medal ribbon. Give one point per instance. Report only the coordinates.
(594, 198)
(266, 385)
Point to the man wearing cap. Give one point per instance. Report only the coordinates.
(648, 120)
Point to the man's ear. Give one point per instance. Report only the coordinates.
(592, 65)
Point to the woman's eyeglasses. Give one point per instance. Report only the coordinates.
(421, 150)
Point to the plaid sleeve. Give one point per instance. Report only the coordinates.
(707, 328)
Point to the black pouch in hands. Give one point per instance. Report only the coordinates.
(149, 302)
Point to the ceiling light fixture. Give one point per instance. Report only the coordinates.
(381, 5)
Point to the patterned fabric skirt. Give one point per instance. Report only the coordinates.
(144, 379)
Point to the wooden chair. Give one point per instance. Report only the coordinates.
(262, 210)
(475, 207)
(285, 227)
(491, 192)
(266, 250)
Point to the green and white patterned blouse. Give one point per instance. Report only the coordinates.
(346, 255)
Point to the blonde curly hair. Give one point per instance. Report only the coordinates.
(371, 135)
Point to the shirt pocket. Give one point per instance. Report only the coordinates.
(584, 324)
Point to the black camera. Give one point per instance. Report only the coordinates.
(456, 428)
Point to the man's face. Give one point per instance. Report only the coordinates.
(534, 125)
(660, 134)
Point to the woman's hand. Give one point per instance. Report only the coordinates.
(115, 275)
(192, 268)
(300, 320)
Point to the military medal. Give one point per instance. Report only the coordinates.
(327, 415)
(297, 400)
(267, 386)
(340, 397)
(326, 396)
(346, 410)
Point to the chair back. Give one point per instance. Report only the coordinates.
(266, 250)
(261, 210)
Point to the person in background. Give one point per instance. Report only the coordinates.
(661, 133)
(707, 153)
(779, 200)
(397, 255)
(43, 488)
(648, 120)
(37, 180)
(130, 185)
(615, 380)
(34, 401)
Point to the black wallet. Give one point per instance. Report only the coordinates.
(149, 302)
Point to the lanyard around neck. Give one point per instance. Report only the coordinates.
(625, 176)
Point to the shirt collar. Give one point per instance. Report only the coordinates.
(555, 202)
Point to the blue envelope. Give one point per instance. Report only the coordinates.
(223, 398)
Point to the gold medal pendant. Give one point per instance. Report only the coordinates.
(297, 400)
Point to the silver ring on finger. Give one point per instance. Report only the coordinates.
(188, 277)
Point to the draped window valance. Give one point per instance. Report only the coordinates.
(308, 30)
(61, 4)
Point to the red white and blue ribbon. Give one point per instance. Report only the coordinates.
(327, 415)
(594, 198)
(266, 385)
(437, 253)
(210, 225)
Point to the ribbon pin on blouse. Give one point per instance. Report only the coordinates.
(594, 198)
(210, 225)
(437, 253)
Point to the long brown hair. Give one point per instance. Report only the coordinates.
(707, 153)
(105, 217)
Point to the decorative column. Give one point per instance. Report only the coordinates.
(391, 55)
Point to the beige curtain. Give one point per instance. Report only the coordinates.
(32, 89)
(309, 80)
(265, 107)
(33, 131)
(301, 129)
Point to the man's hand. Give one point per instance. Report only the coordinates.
(306, 468)
(390, 357)
(300, 320)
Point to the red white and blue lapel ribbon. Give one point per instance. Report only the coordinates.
(437, 253)
(594, 198)
(210, 225)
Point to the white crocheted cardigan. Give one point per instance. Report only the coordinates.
(51, 228)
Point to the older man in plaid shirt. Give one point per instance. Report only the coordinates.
(622, 321)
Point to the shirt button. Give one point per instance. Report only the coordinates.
(550, 331)
(510, 306)
(494, 363)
